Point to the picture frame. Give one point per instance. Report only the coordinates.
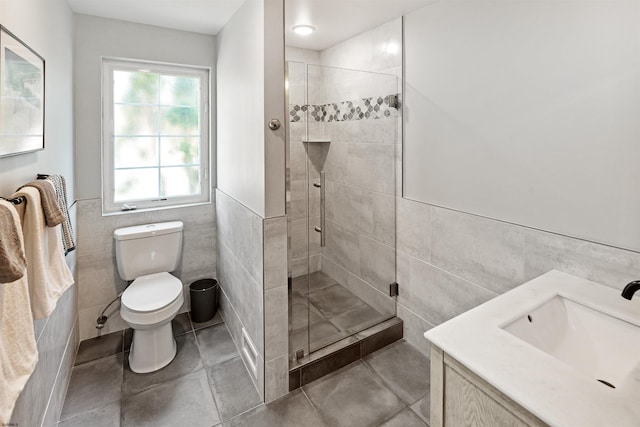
(22, 89)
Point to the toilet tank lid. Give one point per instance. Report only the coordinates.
(148, 230)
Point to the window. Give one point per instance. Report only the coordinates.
(155, 135)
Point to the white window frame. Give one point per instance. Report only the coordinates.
(109, 65)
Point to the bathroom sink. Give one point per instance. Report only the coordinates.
(546, 343)
(600, 346)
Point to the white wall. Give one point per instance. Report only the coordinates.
(240, 100)
(101, 37)
(274, 107)
(527, 112)
(250, 84)
(47, 27)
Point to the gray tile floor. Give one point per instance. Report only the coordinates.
(208, 385)
(328, 311)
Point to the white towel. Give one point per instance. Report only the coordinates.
(18, 350)
(47, 272)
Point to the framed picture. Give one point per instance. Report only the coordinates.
(21, 97)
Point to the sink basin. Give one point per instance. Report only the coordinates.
(546, 343)
(597, 344)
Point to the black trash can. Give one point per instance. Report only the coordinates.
(204, 299)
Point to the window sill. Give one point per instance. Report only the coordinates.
(159, 208)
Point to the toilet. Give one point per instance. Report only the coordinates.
(145, 255)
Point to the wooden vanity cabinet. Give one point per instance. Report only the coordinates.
(460, 398)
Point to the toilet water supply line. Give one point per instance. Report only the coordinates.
(102, 319)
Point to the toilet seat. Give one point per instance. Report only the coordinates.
(151, 293)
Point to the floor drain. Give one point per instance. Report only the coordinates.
(607, 383)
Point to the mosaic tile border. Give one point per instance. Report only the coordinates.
(372, 108)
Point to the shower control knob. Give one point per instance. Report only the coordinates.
(274, 124)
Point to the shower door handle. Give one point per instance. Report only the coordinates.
(322, 202)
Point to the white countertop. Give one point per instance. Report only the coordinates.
(552, 390)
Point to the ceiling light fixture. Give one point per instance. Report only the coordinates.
(303, 30)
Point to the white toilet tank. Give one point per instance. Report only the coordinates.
(148, 248)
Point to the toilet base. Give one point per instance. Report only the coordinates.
(152, 349)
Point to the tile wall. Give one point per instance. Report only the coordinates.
(240, 273)
(98, 279)
(359, 165)
(276, 320)
(40, 403)
(357, 111)
(450, 262)
(252, 273)
(301, 199)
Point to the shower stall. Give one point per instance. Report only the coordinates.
(344, 134)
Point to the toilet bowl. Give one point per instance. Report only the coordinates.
(149, 305)
(145, 255)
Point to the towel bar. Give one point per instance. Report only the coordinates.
(15, 201)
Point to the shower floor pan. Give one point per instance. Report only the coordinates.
(343, 328)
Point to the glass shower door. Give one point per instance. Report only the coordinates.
(351, 149)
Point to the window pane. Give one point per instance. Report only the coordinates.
(135, 120)
(180, 181)
(178, 151)
(135, 184)
(135, 87)
(156, 153)
(183, 91)
(135, 152)
(179, 121)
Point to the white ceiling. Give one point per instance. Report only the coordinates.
(338, 20)
(335, 20)
(199, 16)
